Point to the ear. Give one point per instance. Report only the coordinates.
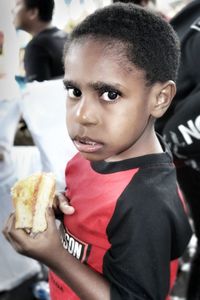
(164, 93)
(33, 13)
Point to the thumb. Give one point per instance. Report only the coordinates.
(66, 208)
(64, 205)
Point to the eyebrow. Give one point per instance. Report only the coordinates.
(97, 86)
(69, 83)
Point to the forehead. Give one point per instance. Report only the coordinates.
(102, 55)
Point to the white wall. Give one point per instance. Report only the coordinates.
(72, 11)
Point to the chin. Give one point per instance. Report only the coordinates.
(93, 156)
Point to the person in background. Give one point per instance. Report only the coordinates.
(43, 54)
(126, 223)
(18, 274)
(181, 125)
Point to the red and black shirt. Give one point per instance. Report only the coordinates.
(129, 223)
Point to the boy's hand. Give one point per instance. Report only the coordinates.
(43, 246)
(61, 204)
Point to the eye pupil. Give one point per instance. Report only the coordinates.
(76, 93)
(112, 95)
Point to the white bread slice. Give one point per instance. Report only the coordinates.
(31, 196)
(45, 197)
(24, 195)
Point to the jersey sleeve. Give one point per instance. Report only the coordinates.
(142, 243)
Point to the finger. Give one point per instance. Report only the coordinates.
(14, 232)
(64, 205)
(62, 197)
(14, 244)
(59, 197)
(66, 208)
(52, 227)
(56, 198)
(50, 216)
(11, 234)
(8, 225)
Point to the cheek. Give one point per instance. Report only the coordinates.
(18, 19)
(130, 125)
(69, 119)
(117, 127)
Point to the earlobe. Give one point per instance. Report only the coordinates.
(163, 99)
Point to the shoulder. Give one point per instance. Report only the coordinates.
(51, 35)
(34, 44)
(151, 204)
(56, 32)
(152, 188)
(152, 191)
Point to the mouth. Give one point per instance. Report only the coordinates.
(85, 144)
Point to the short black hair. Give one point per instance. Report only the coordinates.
(45, 8)
(150, 42)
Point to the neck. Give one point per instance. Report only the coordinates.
(38, 27)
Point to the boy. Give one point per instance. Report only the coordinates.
(127, 221)
(43, 54)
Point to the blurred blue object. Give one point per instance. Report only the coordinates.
(21, 80)
(41, 290)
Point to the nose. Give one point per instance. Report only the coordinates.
(87, 112)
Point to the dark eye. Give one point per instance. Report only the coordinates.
(110, 96)
(74, 92)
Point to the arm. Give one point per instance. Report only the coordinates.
(140, 255)
(149, 229)
(48, 249)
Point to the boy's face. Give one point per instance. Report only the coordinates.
(20, 14)
(108, 107)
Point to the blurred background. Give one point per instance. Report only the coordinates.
(67, 13)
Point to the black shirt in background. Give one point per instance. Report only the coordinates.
(43, 58)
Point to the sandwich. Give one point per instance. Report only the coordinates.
(31, 196)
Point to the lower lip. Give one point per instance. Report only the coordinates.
(87, 148)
